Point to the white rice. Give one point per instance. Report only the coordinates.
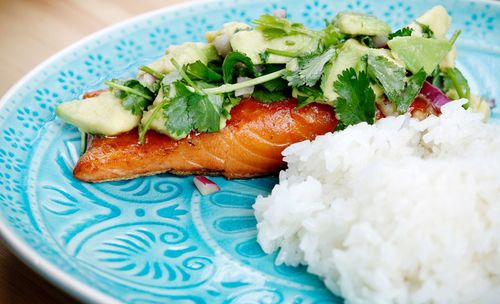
(397, 212)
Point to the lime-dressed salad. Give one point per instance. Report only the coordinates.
(356, 63)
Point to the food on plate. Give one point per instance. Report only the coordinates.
(249, 145)
(205, 185)
(402, 211)
(231, 105)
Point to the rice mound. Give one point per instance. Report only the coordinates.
(403, 211)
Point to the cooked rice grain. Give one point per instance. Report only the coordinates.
(403, 211)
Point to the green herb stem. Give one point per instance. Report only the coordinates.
(146, 126)
(282, 53)
(462, 89)
(226, 88)
(127, 89)
(184, 75)
(150, 71)
(455, 36)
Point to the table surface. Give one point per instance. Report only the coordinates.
(30, 32)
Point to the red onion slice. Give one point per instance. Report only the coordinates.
(204, 185)
(434, 95)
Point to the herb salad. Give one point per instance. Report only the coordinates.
(356, 64)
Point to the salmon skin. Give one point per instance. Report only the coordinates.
(250, 145)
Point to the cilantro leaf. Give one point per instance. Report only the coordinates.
(278, 84)
(273, 90)
(390, 75)
(411, 90)
(229, 66)
(332, 36)
(135, 97)
(177, 119)
(266, 96)
(405, 31)
(153, 87)
(189, 111)
(205, 112)
(264, 56)
(426, 30)
(399, 90)
(306, 95)
(356, 101)
(170, 78)
(274, 27)
(198, 70)
(310, 69)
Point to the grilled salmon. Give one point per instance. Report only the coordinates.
(249, 146)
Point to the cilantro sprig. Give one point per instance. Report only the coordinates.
(356, 101)
(135, 97)
(310, 68)
(274, 27)
(397, 87)
(405, 31)
(198, 95)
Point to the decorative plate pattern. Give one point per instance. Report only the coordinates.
(155, 239)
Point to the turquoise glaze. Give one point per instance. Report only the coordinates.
(155, 239)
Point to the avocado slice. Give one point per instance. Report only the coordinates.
(188, 52)
(437, 18)
(348, 56)
(228, 29)
(439, 21)
(359, 24)
(419, 52)
(253, 44)
(103, 114)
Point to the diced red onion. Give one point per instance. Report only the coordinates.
(222, 44)
(434, 95)
(244, 91)
(380, 41)
(204, 185)
(280, 13)
(146, 79)
(260, 68)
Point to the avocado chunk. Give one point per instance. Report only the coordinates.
(419, 52)
(439, 21)
(228, 29)
(103, 114)
(253, 44)
(188, 52)
(436, 18)
(478, 105)
(348, 56)
(358, 24)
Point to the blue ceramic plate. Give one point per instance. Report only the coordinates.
(155, 239)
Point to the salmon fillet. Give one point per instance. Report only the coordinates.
(249, 146)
